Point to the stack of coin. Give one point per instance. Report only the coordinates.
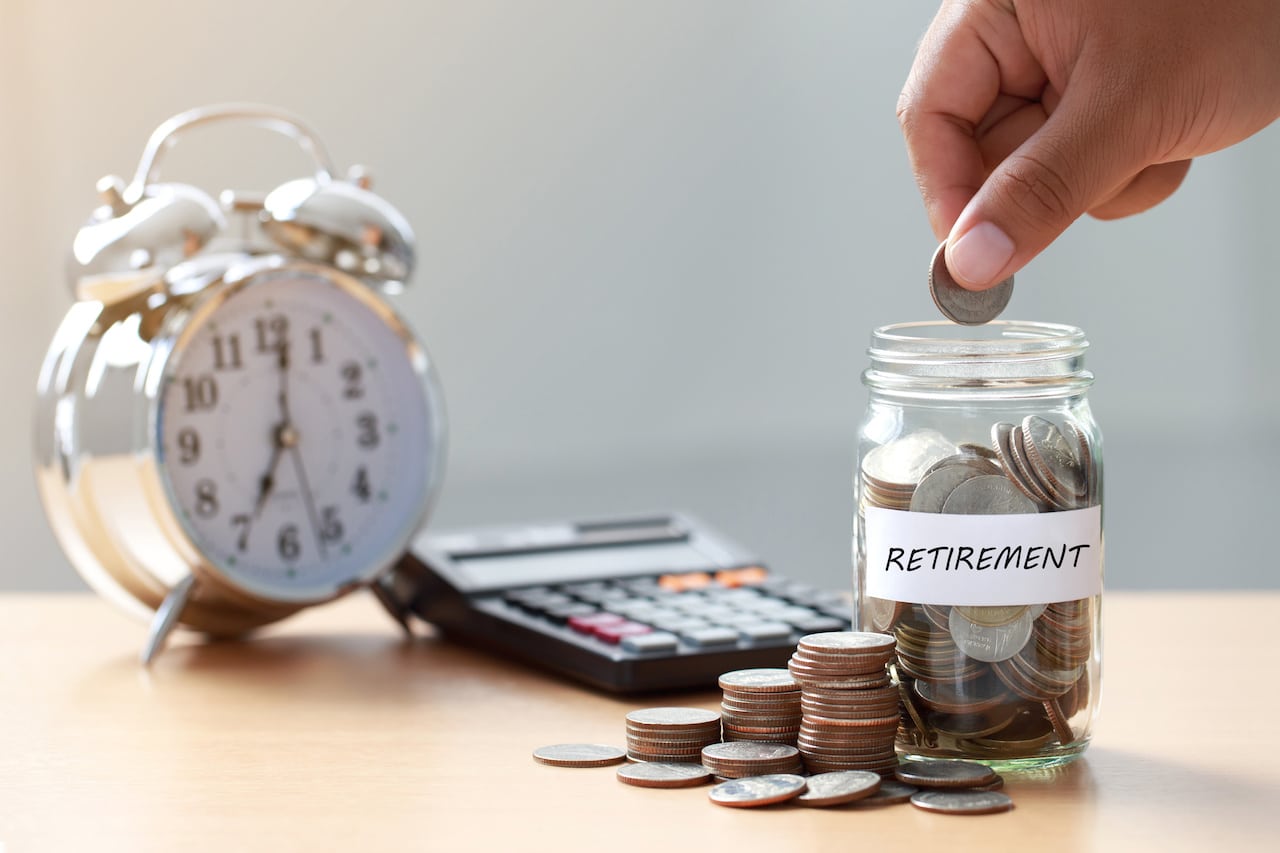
(742, 759)
(760, 705)
(849, 707)
(671, 734)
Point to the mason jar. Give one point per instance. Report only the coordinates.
(978, 537)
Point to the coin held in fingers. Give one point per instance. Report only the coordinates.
(966, 307)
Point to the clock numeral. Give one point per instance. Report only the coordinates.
(206, 498)
(201, 392)
(317, 348)
(188, 446)
(287, 543)
(226, 353)
(330, 527)
(242, 520)
(368, 437)
(360, 488)
(272, 332)
(352, 375)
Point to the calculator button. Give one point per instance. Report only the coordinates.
(616, 632)
(588, 624)
(681, 626)
(750, 576)
(562, 613)
(658, 641)
(839, 611)
(764, 631)
(794, 614)
(820, 623)
(714, 636)
(685, 582)
(544, 600)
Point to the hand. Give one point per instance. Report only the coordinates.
(1020, 116)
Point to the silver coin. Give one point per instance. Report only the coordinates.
(666, 718)
(891, 793)
(979, 463)
(1002, 438)
(947, 773)
(663, 774)
(761, 680)
(842, 786)
(990, 643)
(980, 450)
(758, 790)
(1085, 455)
(993, 617)
(881, 613)
(1053, 458)
(1021, 464)
(962, 802)
(903, 461)
(966, 307)
(988, 495)
(932, 492)
(578, 755)
(743, 750)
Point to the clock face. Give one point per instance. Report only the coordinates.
(298, 439)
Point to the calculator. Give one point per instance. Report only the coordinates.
(627, 605)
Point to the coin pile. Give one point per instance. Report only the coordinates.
(671, 734)
(849, 708)
(760, 705)
(741, 759)
(999, 682)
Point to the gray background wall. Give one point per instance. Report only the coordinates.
(655, 237)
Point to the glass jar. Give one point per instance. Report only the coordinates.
(978, 537)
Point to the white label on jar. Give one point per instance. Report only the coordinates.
(980, 560)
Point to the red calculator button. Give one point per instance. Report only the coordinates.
(615, 633)
(589, 624)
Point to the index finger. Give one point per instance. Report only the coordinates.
(972, 53)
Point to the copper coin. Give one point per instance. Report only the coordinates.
(758, 790)
(962, 802)
(664, 774)
(578, 755)
(945, 774)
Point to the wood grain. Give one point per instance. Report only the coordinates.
(329, 732)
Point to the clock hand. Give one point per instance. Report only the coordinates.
(307, 499)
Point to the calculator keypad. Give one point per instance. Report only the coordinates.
(659, 614)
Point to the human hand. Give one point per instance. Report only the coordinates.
(1020, 116)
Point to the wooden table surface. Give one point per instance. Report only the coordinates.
(328, 732)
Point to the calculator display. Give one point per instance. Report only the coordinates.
(492, 571)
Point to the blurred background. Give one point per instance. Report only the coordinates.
(654, 239)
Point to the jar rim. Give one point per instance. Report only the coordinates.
(1004, 357)
(999, 337)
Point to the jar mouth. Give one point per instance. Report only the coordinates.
(1001, 356)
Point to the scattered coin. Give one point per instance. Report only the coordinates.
(945, 774)
(662, 774)
(758, 790)
(962, 802)
(842, 786)
(966, 307)
(891, 793)
(578, 755)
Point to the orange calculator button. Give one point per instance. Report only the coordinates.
(750, 576)
(685, 582)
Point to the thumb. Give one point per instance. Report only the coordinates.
(1083, 153)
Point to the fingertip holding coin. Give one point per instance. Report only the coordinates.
(961, 305)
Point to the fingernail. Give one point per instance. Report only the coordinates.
(979, 256)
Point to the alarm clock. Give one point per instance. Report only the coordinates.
(233, 423)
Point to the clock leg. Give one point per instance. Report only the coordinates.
(381, 591)
(166, 618)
